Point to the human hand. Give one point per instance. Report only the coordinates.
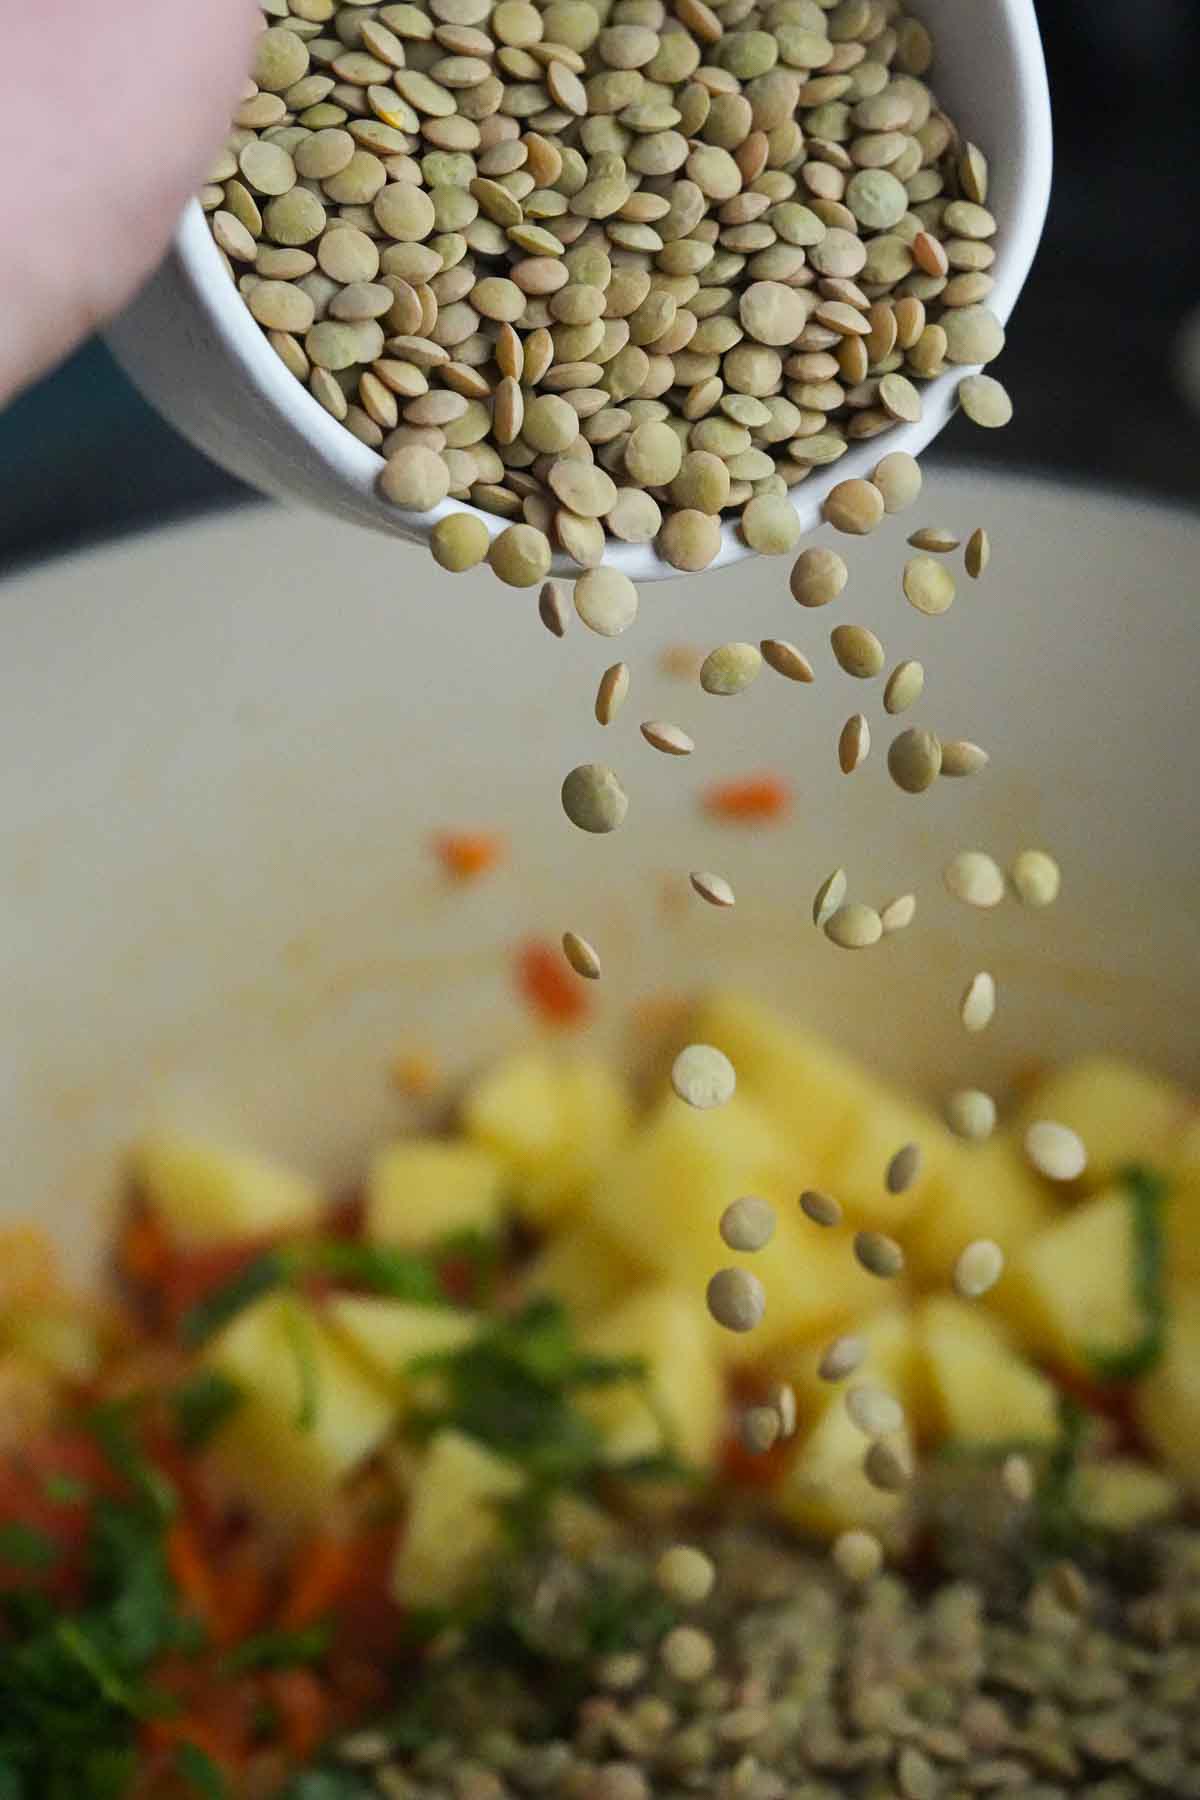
(111, 114)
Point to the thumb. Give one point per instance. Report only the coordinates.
(140, 95)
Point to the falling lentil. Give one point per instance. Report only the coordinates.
(903, 1170)
(730, 668)
(703, 1076)
(928, 586)
(760, 1429)
(904, 687)
(713, 888)
(1036, 878)
(748, 1224)
(960, 757)
(879, 1254)
(611, 693)
(841, 1358)
(828, 897)
(978, 553)
(935, 539)
(854, 743)
(1055, 1150)
(873, 1411)
(553, 608)
(821, 1208)
(978, 1268)
(667, 738)
(857, 650)
(977, 1007)
(818, 576)
(898, 914)
(736, 1299)
(914, 760)
(971, 1114)
(975, 878)
(581, 955)
(854, 926)
(593, 798)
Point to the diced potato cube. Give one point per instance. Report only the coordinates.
(1121, 1494)
(64, 1338)
(982, 1389)
(389, 1335)
(453, 1528)
(811, 1091)
(584, 1269)
(206, 1195)
(423, 1189)
(981, 1190)
(553, 1123)
(663, 1197)
(285, 1362)
(824, 1489)
(684, 1391)
(1122, 1112)
(1072, 1292)
(1167, 1399)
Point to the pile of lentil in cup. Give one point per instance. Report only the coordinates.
(609, 269)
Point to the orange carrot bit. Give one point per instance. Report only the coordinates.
(415, 1074)
(548, 986)
(749, 800)
(320, 1575)
(221, 1605)
(466, 855)
(303, 1704)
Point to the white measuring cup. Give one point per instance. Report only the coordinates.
(190, 344)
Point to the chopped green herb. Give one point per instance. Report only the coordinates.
(400, 1274)
(298, 1331)
(1146, 1193)
(280, 1650)
(219, 1308)
(1056, 1512)
(75, 1684)
(26, 1548)
(203, 1404)
(201, 1773)
(64, 1490)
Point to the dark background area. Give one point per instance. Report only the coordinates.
(1094, 357)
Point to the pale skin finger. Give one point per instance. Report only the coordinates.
(111, 118)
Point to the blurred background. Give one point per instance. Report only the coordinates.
(1103, 358)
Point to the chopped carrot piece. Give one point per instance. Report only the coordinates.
(466, 855)
(555, 994)
(320, 1574)
(749, 799)
(143, 1253)
(303, 1705)
(415, 1074)
(224, 1607)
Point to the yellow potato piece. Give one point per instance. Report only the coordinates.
(981, 1190)
(685, 1392)
(453, 1527)
(981, 1388)
(389, 1335)
(1121, 1494)
(268, 1455)
(206, 1195)
(1071, 1291)
(1168, 1397)
(553, 1123)
(1122, 1112)
(662, 1198)
(584, 1269)
(811, 1090)
(424, 1189)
